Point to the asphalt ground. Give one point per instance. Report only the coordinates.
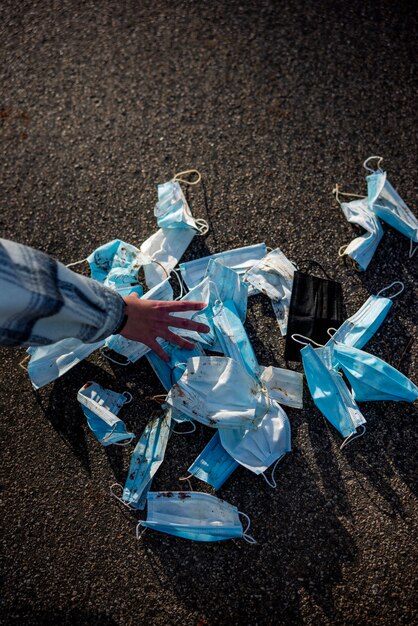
(274, 102)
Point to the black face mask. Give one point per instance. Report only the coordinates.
(316, 304)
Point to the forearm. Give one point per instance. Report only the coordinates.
(42, 301)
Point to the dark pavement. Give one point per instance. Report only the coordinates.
(273, 102)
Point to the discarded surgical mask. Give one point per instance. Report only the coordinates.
(213, 465)
(330, 394)
(358, 329)
(200, 293)
(165, 248)
(372, 378)
(146, 458)
(116, 255)
(233, 337)
(315, 306)
(362, 248)
(169, 373)
(134, 350)
(386, 203)
(172, 209)
(194, 515)
(101, 406)
(225, 285)
(284, 386)
(47, 363)
(239, 259)
(273, 276)
(258, 449)
(219, 392)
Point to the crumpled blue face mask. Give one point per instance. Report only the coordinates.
(386, 203)
(134, 350)
(232, 336)
(239, 260)
(282, 385)
(200, 293)
(165, 249)
(213, 465)
(47, 363)
(101, 406)
(358, 329)
(372, 378)
(258, 449)
(273, 276)
(330, 394)
(116, 256)
(193, 515)
(219, 392)
(362, 248)
(170, 372)
(146, 459)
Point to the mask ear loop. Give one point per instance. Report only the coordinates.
(187, 478)
(109, 358)
(203, 226)
(177, 177)
(245, 536)
(185, 432)
(180, 282)
(128, 397)
(273, 483)
(395, 282)
(23, 361)
(337, 193)
(159, 398)
(112, 493)
(369, 169)
(138, 532)
(319, 345)
(77, 263)
(353, 436)
(412, 250)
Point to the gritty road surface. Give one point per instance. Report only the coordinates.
(274, 102)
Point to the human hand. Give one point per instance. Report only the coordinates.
(149, 319)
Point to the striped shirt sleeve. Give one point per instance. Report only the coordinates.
(42, 301)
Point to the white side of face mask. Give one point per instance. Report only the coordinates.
(283, 386)
(165, 247)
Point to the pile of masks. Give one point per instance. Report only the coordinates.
(220, 383)
(382, 202)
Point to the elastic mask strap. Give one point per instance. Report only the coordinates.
(245, 536)
(23, 361)
(331, 332)
(342, 249)
(337, 193)
(128, 397)
(185, 432)
(77, 263)
(180, 282)
(183, 479)
(159, 398)
(319, 345)
(138, 532)
(112, 493)
(354, 264)
(109, 358)
(203, 226)
(273, 483)
(396, 282)
(369, 169)
(162, 267)
(311, 262)
(412, 250)
(353, 436)
(177, 177)
(124, 443)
